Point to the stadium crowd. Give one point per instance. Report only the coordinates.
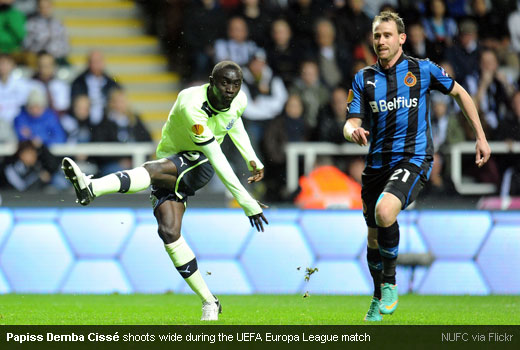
(298, 59)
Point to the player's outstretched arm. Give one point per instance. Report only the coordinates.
(466, 104)
(242, 142)
(251, 207)
(353, 132)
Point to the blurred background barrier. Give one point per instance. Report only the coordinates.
(108, 250)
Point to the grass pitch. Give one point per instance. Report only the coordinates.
(164, 309)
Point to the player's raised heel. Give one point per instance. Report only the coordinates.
(81, 183)
(373, 314)
(389, 299)
(210, 310)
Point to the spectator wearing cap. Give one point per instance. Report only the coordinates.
(266, 95)
(37, 122)
(464, 54)
(237, 47)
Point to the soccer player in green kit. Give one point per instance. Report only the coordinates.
(188, 155)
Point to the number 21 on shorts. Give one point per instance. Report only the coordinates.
(397, 172)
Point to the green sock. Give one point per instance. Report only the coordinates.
(186, 263)
(127, 181)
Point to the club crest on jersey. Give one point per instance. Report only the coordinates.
(410, 79)
(197, 129)
(230, 124)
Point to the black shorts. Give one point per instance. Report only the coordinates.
(193, 172)
(405, 181)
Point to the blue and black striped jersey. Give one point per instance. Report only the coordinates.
(397, 102)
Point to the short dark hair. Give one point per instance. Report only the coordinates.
(387, 16)
(224, 65)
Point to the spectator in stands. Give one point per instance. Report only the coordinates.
(353, 24)
(331, 117)
(364, 51)
(446, 127)
(7, 134)
(13, 89)
(439, 28)
(289, 126)
(257, 18)
(37, 122)
(334, 60)
(120, 124)
(24, 171)
(46, 33)
(282, 54)
(204, 23)
(509, 130)
(95, 83)
(301, 16)
(12, 28)
(77, 123)
(313, 92)
(492, 28)
(417, 45)
(28, 7)
(513, 23)
(464, 54)
(266, 96)
(237, 47)
(491, 90)
(57, 90)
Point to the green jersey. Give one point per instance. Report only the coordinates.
(194, 125)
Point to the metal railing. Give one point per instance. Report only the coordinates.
(311, 150)
(137, 151)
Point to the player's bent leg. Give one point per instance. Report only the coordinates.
(387, 208)
(169, 218)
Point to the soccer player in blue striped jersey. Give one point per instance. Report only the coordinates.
(393, 95)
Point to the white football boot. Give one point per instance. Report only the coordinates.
(210, 310)
(81, 182)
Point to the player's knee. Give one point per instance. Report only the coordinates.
(153, 168)
(169, 234)
(384, 216)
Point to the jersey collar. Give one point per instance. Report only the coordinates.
(391, 69)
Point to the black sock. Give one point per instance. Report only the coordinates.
(389, 270)
(375, 266)
(388, 239)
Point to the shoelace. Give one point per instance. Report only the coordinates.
(374, 307)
